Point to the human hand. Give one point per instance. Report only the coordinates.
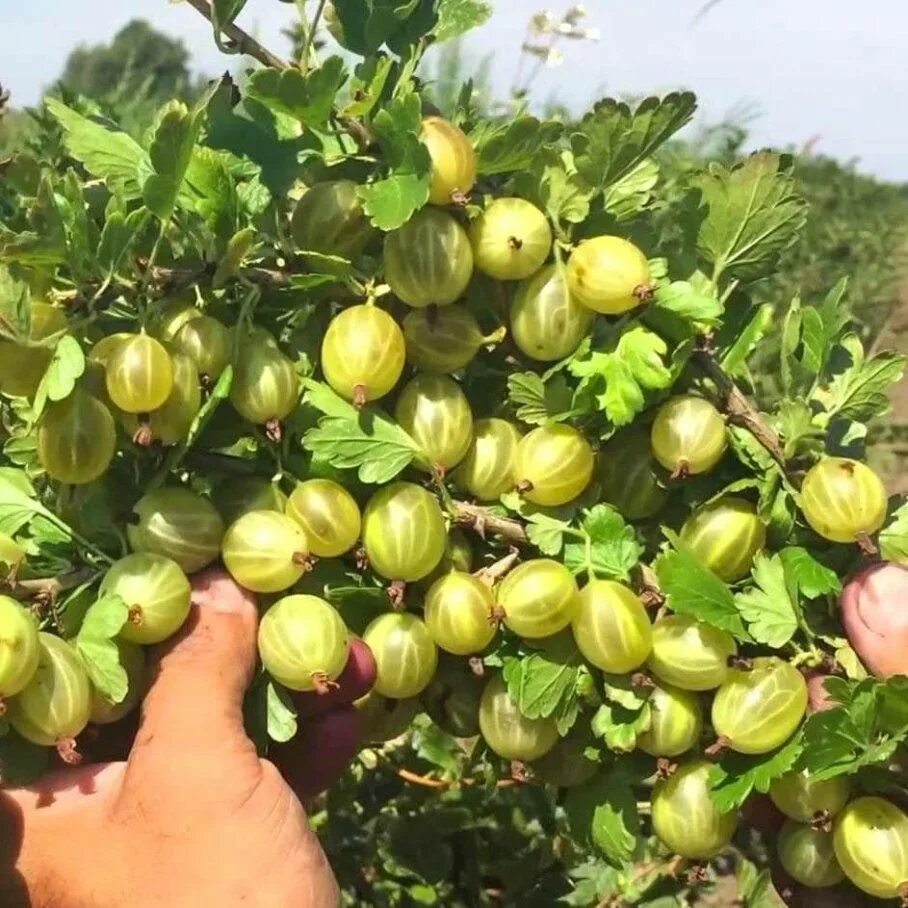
(193, 817)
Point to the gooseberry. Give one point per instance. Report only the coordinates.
(627, 477)
(428, 260)
(609, 275)
(459, 613)
(553, 464)
(179, 524)
(756, 709)
(363, 353)
(507, 731)
(690, 654)
(403, 532)
(329, 220)
(808, 855)
(435, 413)
(207, 342)
(76, 438)
(611, 627)
(328, 514)
(684, 816)
(139, 374)
(442, 340)
(489, 468)
(688, 435)
(265, 551)
(538, 598)
(801, 797)
(843, 500)
(156, 592)
(18, 647)
(405, 654)
(453, 160)
(547, 323)
(676, 720)
(265, 384)
(725, 535)
(303, 642)
(511, 239)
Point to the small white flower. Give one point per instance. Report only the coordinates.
(554, 57)
(575, 14)
(542, 23)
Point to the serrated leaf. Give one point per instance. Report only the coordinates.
(546, 533)
(106, 151)
(771, 616)
(611, 548)
(170, 152)
(457, 17)
(280, 713)
(860, 392)
(506, 147)
(603, 813)
(692, 589)
(15, 306)
(119, 233)
(307, 97)
(367, 85)
(366, 439)
(811, 578)
(538, 402)
(753, 215)
(391, 202)
(619, 727)
(628, 196)
(687, 302)
(612, 140)
(736, 775)
(544, 683)
(619, 378)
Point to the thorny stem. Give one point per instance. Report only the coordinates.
(482, 521)
(48, 587)
(441, 784)
(245, 43)
(498, 569)
(736, 405)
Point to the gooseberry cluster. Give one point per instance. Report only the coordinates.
(451, 609)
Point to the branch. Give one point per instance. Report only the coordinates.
(177, 278)
(244, 41)
(498, 569)
(47, 588)
(482, 521)
(737, 407)
(442, 784)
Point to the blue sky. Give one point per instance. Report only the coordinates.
(829, 72)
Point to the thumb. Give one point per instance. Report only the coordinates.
(200, 675)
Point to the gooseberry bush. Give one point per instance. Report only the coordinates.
(474, 390)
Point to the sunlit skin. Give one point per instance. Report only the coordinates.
(224, 827)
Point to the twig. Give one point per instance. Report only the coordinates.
(482, 521)
(498, 569)
(180, 277)
(737, 407)
(442, 784)
(244, 41)
(45, 587)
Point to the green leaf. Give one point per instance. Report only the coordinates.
(860, 392)
(366, 25)
(66, 366)
(628, 196)
(692, 589)
(546, 533)
(348, 438)
(753, 216)
(808, 575)
(104, 150)
(104, 619)
(894, 537)
(117, 238)
(734, 359)
(15, 306)
(281, 713)
(101, 659)
(223, 14)
(603, 814)
(307, 97)
(511, 145)
(736, 775)
(457, 17)
(538, 402)
(611, 547)
(619, 726)
(619, 379)
(238, 247)
(391, 202)
(175, 133)
(368, 85)
(613, 140)
(545, 683)
(687, 302)
(768, 609)
(841, 741)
